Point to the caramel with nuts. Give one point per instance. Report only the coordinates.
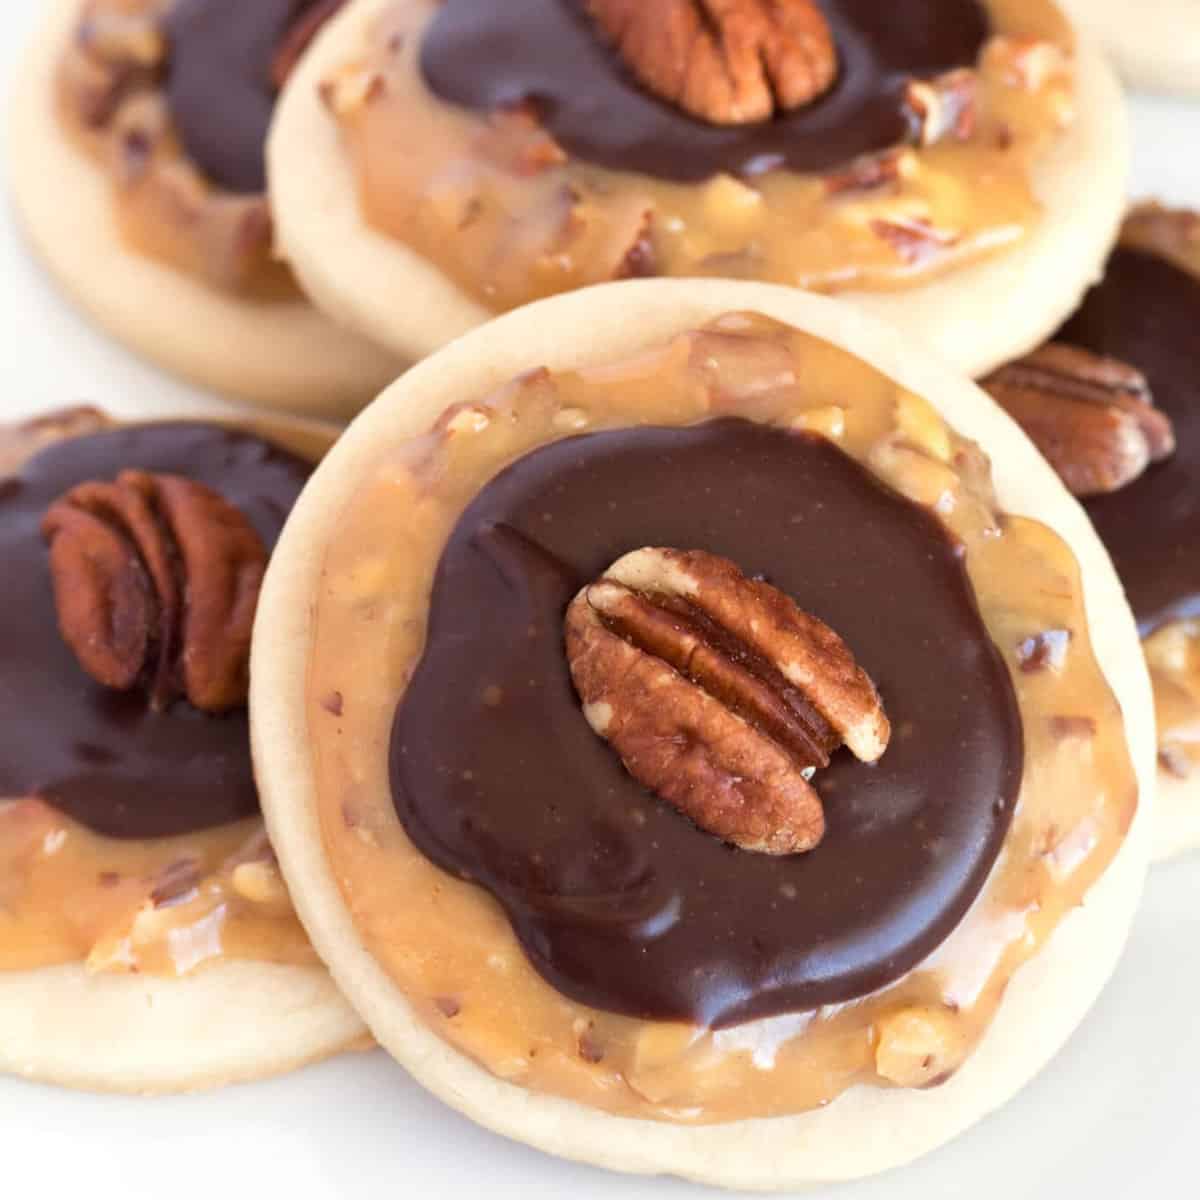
(172, 98)
(166, 906)
(450, 947)
(510, 215)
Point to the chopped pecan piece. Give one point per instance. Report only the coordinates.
(914, 239)
(719, 694)
(640, 261)
(515, 140)
(943, 107)
(156, 580)
(1046, 651)
(1174, 760)
(728, 62)
(176, 882)
(869, 173)
(1093, 418)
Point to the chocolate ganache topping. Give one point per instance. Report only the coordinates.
(483, 55)
(220, 84)
(104, 757)
(1146, 311)
(619, 901)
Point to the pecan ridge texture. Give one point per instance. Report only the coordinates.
(719, 694)
(728, 62)
(1093, 418)
(156, 581)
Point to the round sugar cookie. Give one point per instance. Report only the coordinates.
(867, 1129)
(231, 1021)
(976, 317)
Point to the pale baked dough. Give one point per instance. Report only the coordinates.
(977, 317)
(867, 1129)
(1155, 44)
(284, 355)
(230, 1022)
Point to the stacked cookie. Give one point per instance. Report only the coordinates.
(695, 727)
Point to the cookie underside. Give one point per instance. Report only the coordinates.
(285, 355)
(231, 1022)
(867, 1130)
(977, 317)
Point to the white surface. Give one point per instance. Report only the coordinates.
(1114, 1117)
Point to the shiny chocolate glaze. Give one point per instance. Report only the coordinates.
(483, 55)
(1147, 312)
(104, 757)
(619, 901)
(219, 86)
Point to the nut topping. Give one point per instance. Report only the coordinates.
(728, 62)
(720, 694)
(943, 107)
(1093, 418)
(156, 580)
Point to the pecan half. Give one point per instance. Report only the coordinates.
(728, 62)
(1093, 418)
(156, 581)
(719, 694)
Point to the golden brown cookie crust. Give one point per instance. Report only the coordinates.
(866, 1130)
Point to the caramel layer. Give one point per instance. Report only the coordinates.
(172, 98)
(166, 906)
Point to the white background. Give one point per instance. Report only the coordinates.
(1116, 1115)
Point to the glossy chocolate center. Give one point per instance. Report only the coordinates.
(619, 901)
(484, 55)
(219, 86)
(1147, 312)
(105, 758)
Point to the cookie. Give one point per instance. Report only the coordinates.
(147, 942)
(672, 596)
(1159, 51)
(397, 142)
(1114, 404)
(169, 262)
